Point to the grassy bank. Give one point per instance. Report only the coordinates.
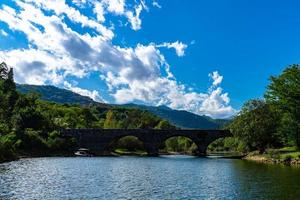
(286, 156)
(125, 152)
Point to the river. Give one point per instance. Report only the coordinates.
(165, 177)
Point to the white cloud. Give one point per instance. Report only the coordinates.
(156, 4)
(217, 78)
(134, 18)
(99, 11)
(2, 32)
(115, 6)
(55, 52)
(32, 66)
(84, 92)
(79, 3)
(178, 46)
(148, 85)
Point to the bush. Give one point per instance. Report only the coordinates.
(231, 144)
(180, 144)
(217, 145)
(32, 140)
(56, 143)
(273, 153)
(3, 128)
(130, 143)
(7, 148)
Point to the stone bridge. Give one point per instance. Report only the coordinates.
(99, 141)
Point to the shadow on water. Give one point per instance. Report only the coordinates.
(266, 181)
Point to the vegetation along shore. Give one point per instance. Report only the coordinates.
(265, 130)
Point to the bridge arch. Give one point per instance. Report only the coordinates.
(129, 142)
(174, 144)
(97, 139)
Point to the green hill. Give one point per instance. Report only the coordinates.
(58, 95)
(179, 118)
(183, 119)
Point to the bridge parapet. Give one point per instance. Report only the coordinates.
(98, 140)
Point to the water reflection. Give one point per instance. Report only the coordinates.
(166, 177)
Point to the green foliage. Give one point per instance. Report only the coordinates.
(129, 143)
(284, 93)
(133, 119)
(228, 144)
(26, 114)
(164, 124)
(181, 118)
(32, 140)
(256, 125)
(58, 95)
(57, 144)
(7, 147)
(274, 122)
(8, 94)
(180, 144)
(287, 128)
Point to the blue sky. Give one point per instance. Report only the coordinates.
(207, 57)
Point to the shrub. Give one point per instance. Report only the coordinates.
(273, 153)
(32, 140)
(7, 147)
(56, 143)
(130, 143)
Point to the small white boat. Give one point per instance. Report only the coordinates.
(83, 152)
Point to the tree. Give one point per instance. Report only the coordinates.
(8, 94)
(88, 117)
(256, 125)
(112, 120)
(9, 83)
(284, 93)
(164, 124)
(3, 70)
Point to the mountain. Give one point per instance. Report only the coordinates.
(58, 95)
(179, 118)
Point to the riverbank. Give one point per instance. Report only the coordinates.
(125, 152)
(285, 156)
(35, 154)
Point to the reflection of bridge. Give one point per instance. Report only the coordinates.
(99, 140)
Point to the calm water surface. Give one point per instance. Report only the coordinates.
(168, 177)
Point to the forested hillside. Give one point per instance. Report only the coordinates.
(181, 119)
(58, 95)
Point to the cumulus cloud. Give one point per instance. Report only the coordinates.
(84, 92)
(139, 73)
(149, 86)
(217, 78)
(178, 46)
